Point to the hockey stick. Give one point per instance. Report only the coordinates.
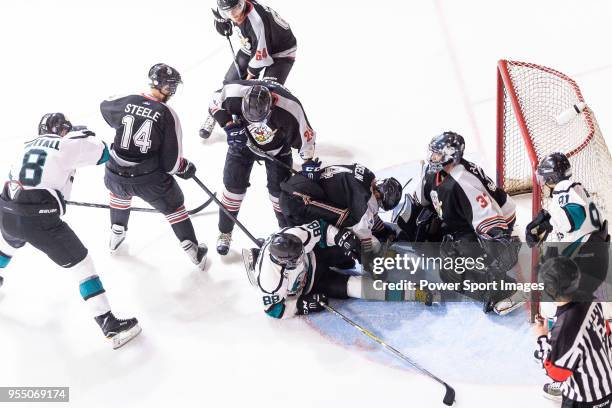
(234, 57)
(449, 396)
(259, 152)
(225, 211)
(140, 209)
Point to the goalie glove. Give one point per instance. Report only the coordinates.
(309, 303)
(538, 229)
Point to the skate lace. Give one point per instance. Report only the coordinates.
(224, 238)
(554, 387)
(209, 123)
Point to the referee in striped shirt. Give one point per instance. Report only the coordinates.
(578, 350)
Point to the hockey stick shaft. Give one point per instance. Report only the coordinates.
(139, 209)
(234, 57)
(449, 397)
(226, 211)
(266, 155)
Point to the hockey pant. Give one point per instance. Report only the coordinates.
(236, 175)
(158, 189)
(52, 236)
(277, 72)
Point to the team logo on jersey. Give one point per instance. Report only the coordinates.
(262, 134)
(435, 200)
(246, 43)
(330, 171)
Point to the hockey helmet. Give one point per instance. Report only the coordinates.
(554, 168)
(230, 8)
(560, 276)
(54, 123)
(445, 149)
(162, 76)
(390, 193)
(286, 250)
(257, 104)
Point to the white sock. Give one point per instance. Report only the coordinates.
(91, 287)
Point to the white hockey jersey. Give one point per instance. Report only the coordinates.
(49, 162)
(573, 214)
(280, 287)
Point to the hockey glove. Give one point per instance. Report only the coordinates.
(349, 243)
(309, 303)
(311, 168)
(186, 170)
(236, 134)
(538, 229)
(222, 25)
(501, 248)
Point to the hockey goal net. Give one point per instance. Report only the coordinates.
(541, 111)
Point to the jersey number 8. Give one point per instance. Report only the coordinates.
(142, 137)
(31, 171)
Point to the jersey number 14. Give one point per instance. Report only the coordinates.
(142, 137)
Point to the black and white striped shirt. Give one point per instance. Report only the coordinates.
(578, 352)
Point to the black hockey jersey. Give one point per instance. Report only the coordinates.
(467, 200)
(146, 128)
(264, 36)
(287, 125)
(578, 352)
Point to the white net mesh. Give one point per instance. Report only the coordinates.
(545, 99)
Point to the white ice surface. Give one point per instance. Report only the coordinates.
(378, 80)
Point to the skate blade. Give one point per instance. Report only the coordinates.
(202, 264)
(556, 398)
(116, 248)
(121, 339)
(507, 310)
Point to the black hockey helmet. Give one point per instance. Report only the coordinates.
(54, 123)
(390, 193)
(560, 276)
(162, 75)
(286, 250)
(257, 104)
(554, 168)
(445, 149)
(230, 7)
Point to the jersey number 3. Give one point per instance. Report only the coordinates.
(142, 137)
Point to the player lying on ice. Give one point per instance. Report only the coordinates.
(292, 278)
(464, 210)
(33, 201)
(347, 196)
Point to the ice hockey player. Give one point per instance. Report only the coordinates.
(476, 215)
(147, 152)
(293, 279)
(268, 45)
(33, 201)
(577, 352)
(347, 196)
(573, 218)
(269, 119)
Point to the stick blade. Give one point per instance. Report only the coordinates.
(449, 397)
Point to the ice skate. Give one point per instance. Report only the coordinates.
(207, 128)
(120, 331)
(117, 237)
(197, 253)
(223, 243)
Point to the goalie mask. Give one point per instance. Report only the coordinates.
(553, 169)
(445, 149)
